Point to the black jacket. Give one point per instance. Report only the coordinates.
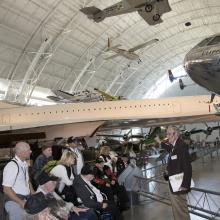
(179, 161)
(85, 193)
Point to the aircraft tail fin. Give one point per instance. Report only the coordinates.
(110, 45)
(171, 76)
(93, 13)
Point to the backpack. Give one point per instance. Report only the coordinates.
(1, 174)
(49, 166)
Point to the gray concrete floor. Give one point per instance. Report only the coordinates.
(206, 175)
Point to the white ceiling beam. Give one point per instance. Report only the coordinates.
(85, 68)
(31, 69)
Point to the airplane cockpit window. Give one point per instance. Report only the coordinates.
(215, 40)
(204, 42)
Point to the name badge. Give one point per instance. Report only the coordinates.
(174, 157)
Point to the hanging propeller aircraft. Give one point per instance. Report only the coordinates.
(83, 96)
(208, 131)
(147, 139)
(150, 10)
(107, 97)
(80, 96)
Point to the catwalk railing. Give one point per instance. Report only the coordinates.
(201, 153)
(201, 202)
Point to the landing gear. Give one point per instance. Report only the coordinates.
(156, 17)
(148, 7)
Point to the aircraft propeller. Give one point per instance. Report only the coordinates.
(208, 131)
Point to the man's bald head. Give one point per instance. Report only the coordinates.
(22, 150)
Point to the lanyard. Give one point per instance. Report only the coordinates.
(171, 152)
(23, 169)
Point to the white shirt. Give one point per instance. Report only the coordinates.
(97, 192)
(132, 153)
(108, 162)
(79, 159)
(18, 180)
(61, 172)
(174, 143)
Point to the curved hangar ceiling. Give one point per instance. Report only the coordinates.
(54, 45)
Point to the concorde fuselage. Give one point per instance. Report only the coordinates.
(94, 114)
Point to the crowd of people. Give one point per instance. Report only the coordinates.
(66, 188)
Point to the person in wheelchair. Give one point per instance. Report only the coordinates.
(91, 197)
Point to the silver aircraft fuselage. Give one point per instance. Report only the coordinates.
(202, 63)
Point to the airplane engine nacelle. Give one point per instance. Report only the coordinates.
(209, 130)
(99, 17)
(187, 133)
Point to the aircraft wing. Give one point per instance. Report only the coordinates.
(55, 98)
(111, 57)
(153, 14)
(93, 13)
(90, 10)
(106, 96)
(143, 45)
(63, 95)
(145, 123)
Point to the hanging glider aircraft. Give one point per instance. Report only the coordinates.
(150, 10)
(129, 54)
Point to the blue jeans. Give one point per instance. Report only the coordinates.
(88, 215)
(14, 210)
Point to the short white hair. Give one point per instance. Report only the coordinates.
(174, 128)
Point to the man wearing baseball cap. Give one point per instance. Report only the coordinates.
(47, 185)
